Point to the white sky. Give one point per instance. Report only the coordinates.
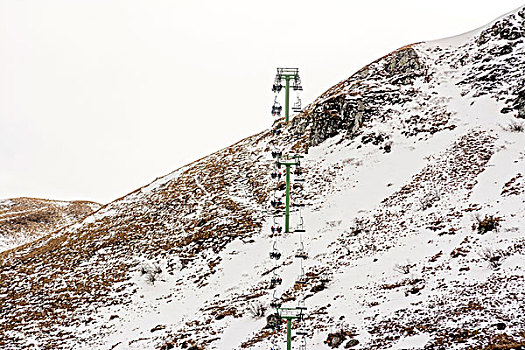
(99, 97)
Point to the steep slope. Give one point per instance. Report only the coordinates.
(414, 210)
(25, 219)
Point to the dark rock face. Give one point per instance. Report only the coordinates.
(346, 111)
(334, 115)
(519, 104)
(405, 62)
(504, 30)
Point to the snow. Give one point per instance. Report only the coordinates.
(351, 185)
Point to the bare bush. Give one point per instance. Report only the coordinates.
(257, 310)
(404, 269)
(152, 273)
(514, 126)
(493, 257)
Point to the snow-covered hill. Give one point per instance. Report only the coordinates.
(414, 213)
(23, 220)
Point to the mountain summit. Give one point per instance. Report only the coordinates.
(414, 211)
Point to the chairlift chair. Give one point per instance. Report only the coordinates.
(301, 279)
(300, 226)
(276, 280)
(276, 203)
(275, 303)
(297, 105)
(276, 227)
(297, 84)
(275, 254)
(276, 109)
(301, 306)
(301, 254)
(277, 86)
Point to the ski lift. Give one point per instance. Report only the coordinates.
(298, 172)
(297, 105)
(275, 280)
(275, 254)
(275, 303)
(297, 84)
(276, 203)
(276, 175)
(302, 345)
(276, 227)
(277, 86)
(301, 253)
(276, 154)
(276, 109)
(300, 225)
(301, 305)
(301, 279)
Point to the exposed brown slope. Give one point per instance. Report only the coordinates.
(202, 206)
(25, 219)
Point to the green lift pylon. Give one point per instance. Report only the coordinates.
(289, 314)
(287, 74)
(288, 161)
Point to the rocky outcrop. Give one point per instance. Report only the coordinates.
(504, 29)
(349, 106)
(335, 115)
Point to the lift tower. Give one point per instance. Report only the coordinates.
(287, 74)
(289, 314)
(288, 161)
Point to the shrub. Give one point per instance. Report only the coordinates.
(257, 310)
(514, 126)
(152, 273)
(404, 269)
(493, 257)
(488, 223)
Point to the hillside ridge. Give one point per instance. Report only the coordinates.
(413, 203)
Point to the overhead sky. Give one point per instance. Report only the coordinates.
(100, 97)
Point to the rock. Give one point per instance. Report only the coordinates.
(318, 288)
(403, 61)
(500, 326)
(351, 343)
(158, 328)
(334, 340)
